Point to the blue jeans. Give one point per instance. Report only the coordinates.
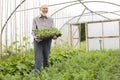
(41, 53)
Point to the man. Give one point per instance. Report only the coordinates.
(42, 47)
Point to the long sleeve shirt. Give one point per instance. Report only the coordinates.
(41, 22)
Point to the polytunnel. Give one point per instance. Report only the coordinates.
(100, 19)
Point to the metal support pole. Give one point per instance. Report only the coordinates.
(100, 42)
(71, 37)
(0, 28)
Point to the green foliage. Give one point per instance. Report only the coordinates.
(47, 32)
(65, 64)
(16, 48)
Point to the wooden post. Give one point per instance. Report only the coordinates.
(71, 39)
(119, 34)
(78, 30)
(69, 34)
(79, 39)
(86, 32)
(103, 47)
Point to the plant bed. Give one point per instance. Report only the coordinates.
(47, 33)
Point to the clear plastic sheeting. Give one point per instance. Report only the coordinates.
(111, 28)
(74, 36)
(111, 43)
(94, 29)
(95, 44)
(103, 35)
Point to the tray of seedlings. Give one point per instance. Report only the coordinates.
(47, 33)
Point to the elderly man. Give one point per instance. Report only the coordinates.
(42, 47)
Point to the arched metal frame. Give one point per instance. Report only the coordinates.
(87, 14)
(103, 12)
(87, 9)
(85, 2)
(48, 5)
(11, 15)
(66, 7)
(1, 32)
(93, 11)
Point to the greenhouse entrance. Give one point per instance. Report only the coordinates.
(97, 35)
(77, 34)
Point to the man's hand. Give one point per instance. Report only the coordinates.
(38, 39)
(54, 37)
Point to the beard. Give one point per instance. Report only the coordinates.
(44, 14)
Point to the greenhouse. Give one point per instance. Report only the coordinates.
(90, 35)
